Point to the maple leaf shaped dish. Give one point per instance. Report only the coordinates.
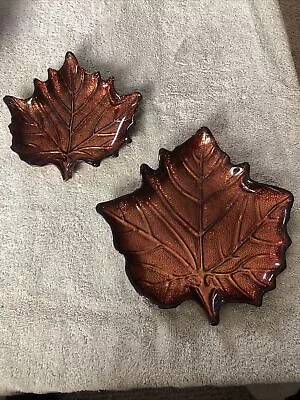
(73, 116)
(200, 228)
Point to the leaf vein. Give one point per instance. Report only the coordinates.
(257, 226)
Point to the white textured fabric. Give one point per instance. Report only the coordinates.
(69, 318)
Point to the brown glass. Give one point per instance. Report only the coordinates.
(73, 116)
(200, 228)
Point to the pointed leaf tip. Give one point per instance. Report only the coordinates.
(7, 99)
(71, 56)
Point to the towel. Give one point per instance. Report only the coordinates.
(69, 318)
